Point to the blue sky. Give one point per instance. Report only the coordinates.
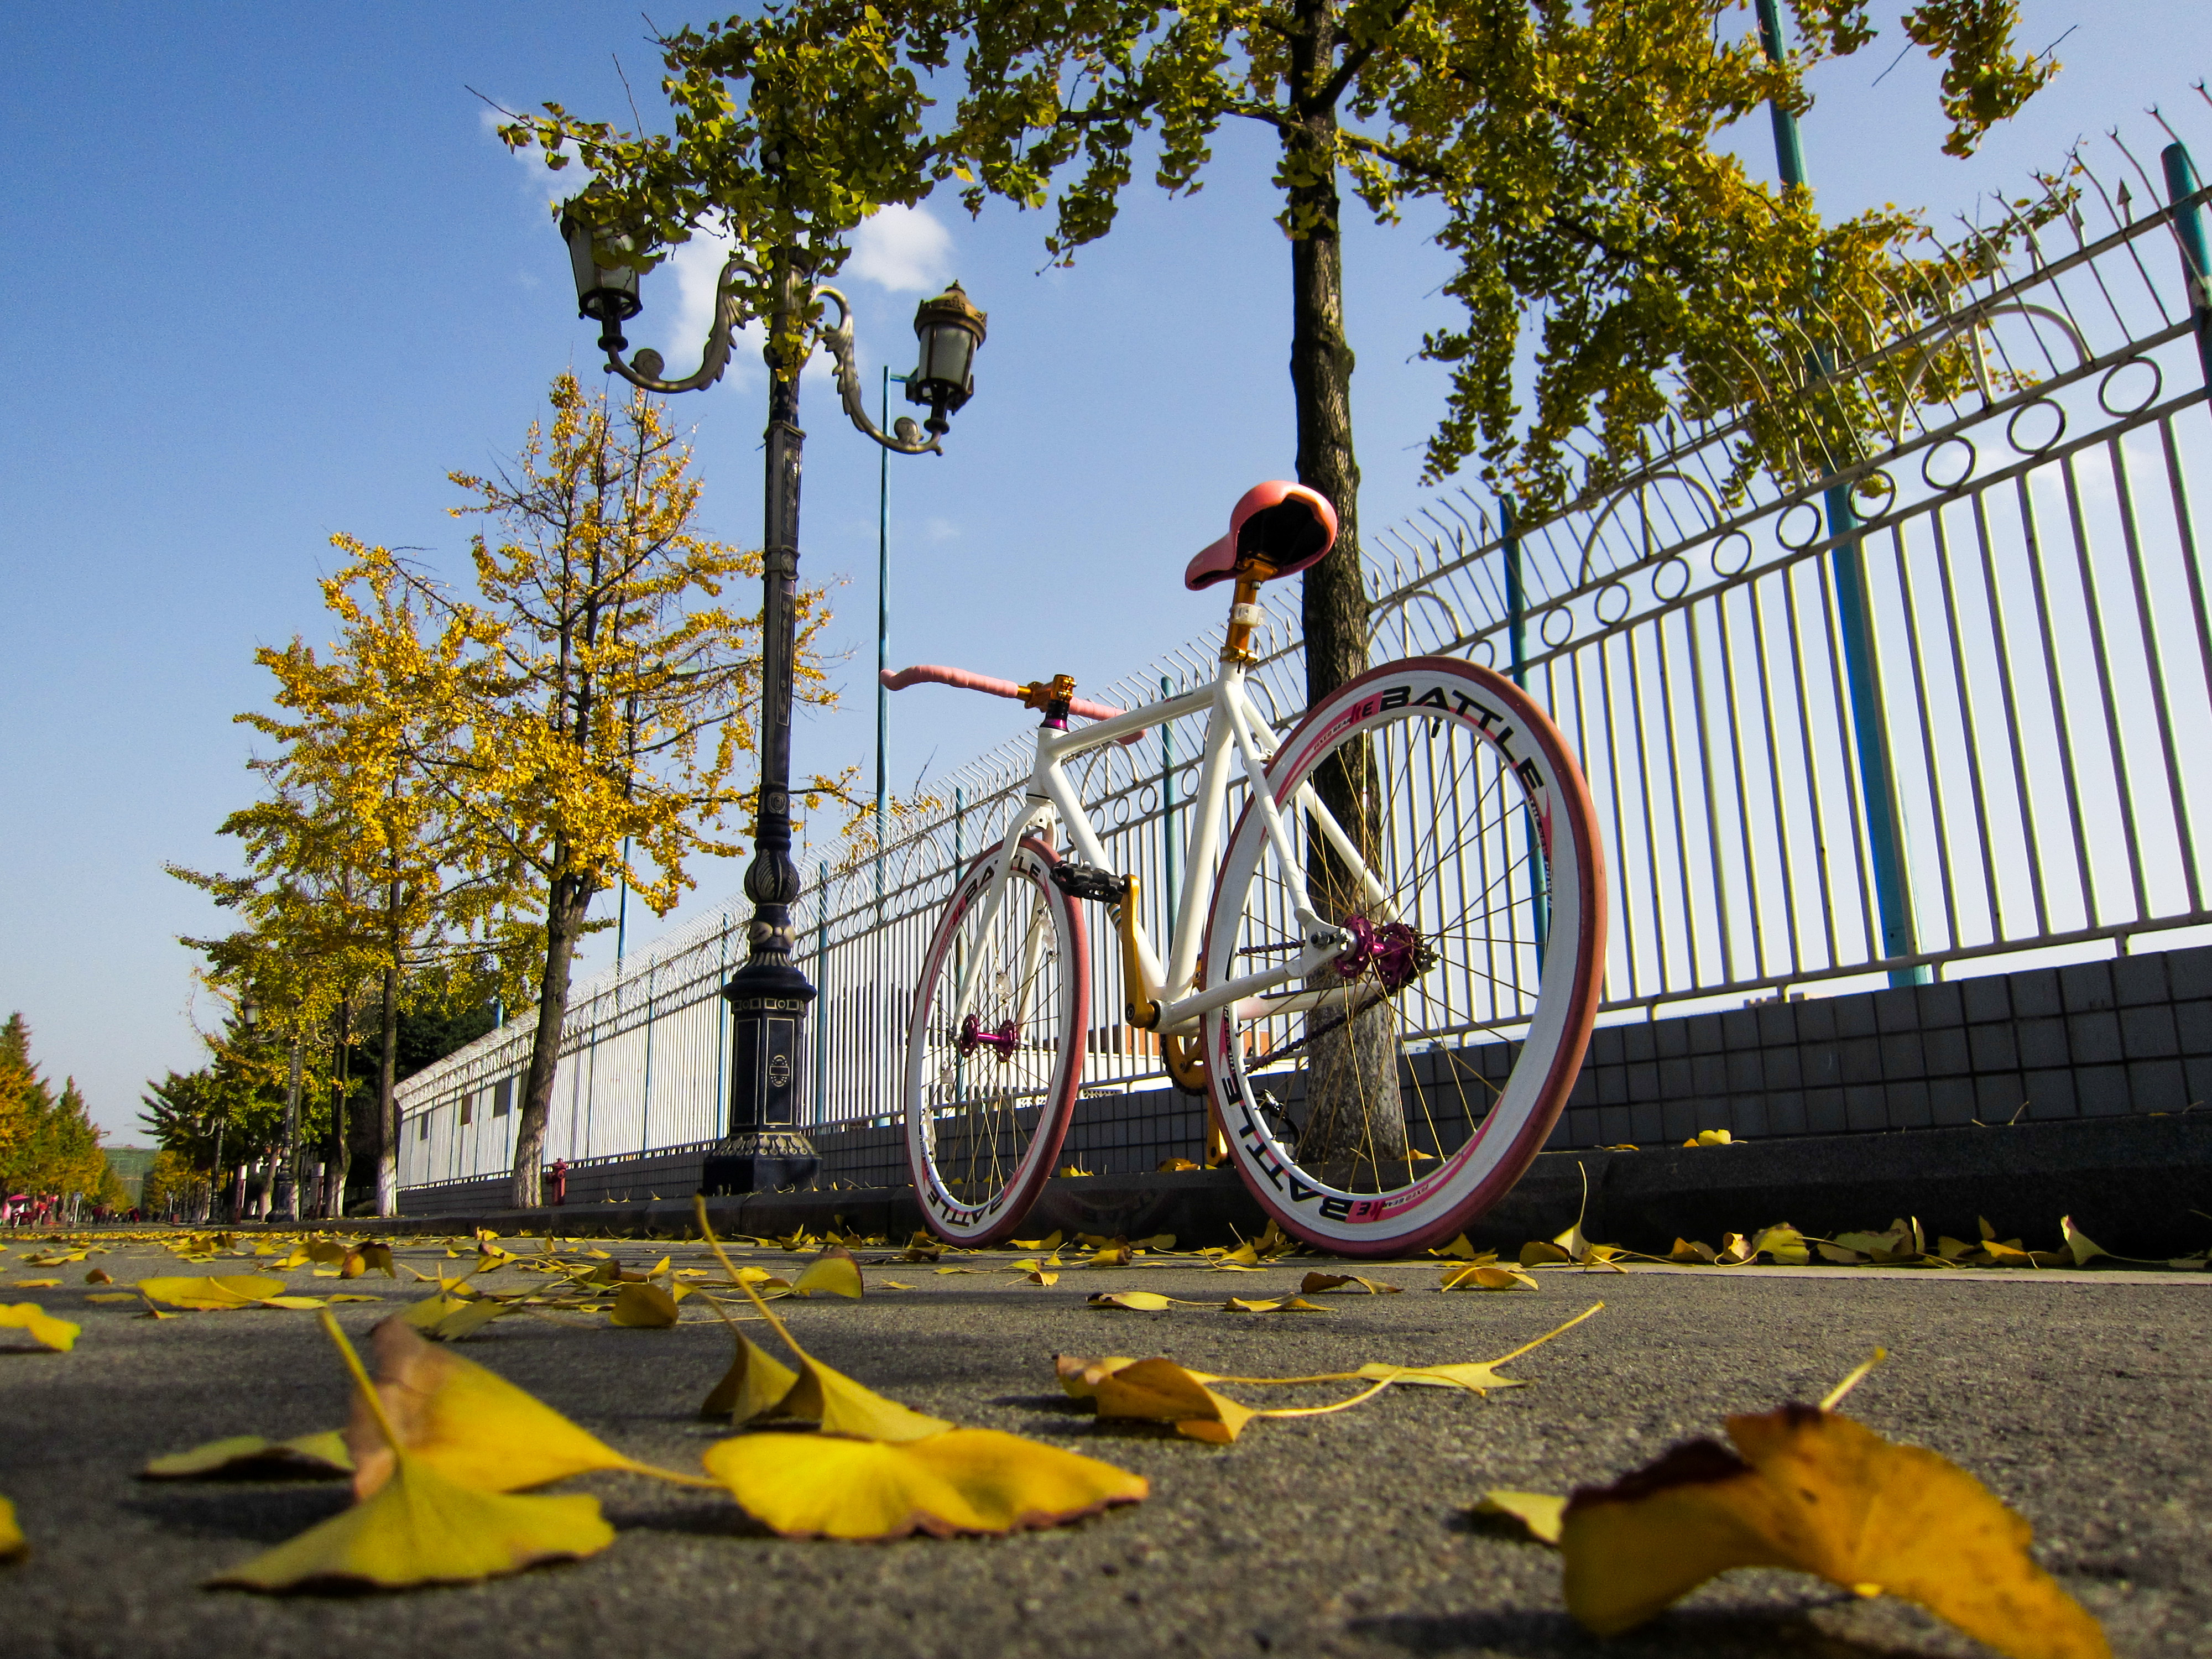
(274, 278)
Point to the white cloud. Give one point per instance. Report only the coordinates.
(901, 249)
(539, 184)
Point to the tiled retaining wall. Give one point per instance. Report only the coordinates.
(2095, 1039)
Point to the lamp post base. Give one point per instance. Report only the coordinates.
(759, 1161)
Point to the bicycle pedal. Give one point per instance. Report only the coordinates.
(1088, 881)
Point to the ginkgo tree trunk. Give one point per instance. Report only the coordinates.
(600, 698)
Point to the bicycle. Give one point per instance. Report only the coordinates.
(1419, 853)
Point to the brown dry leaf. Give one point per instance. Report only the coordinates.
(755, 1383)
(1540, 1512)
(1314, 1284)
(464, 1422)
(100, 1276)
(1838, 1255)
(963, 1480)
(1161, 1391)
(1952, 1250)
(1820, 1494)
(643, 1307)
(1480, 1277)
(12, 1541)
(833, 1273)
(250, 1457)
(42, 1328)
(1278, 1305)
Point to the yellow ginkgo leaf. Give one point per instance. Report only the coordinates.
(420, 1528)
(1081, 1377)
(1824, 1495)
(33, 1283)
(1039, 1276)
(1174, 1166)
(41, 1326)
(1689, 1250)
(249, 1456)
(1460, 1248)
(1784, 1244)
(963, 1480)
(1161, 1391)
(834, 1273)
(213, 1295)
(844, 1406)
(1135, 1301)
(1541, 1512)
(1052, 1241)
(1537, 1252)
(468, 1425)
(1477, 1276)
(2083, 1248)
(1277, 1304)
(644, 1306)
(755, 1383)
(12, 1541)
(1314, 1284)
(1476, 1375)
(447, 1318)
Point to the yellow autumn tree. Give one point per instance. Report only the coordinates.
(594, 692)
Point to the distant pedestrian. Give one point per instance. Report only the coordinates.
(558, 1186)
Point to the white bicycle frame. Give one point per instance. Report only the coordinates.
(1235, 726)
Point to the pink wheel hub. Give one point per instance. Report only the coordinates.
(1394, 951)
(1001, 1037)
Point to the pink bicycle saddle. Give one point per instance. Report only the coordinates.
(1279, 526)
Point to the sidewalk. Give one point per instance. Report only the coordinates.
(2083, 1405)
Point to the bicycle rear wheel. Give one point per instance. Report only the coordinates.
(1469, 873)
(990, 1087)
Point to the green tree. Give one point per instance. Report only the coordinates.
(48, 1143)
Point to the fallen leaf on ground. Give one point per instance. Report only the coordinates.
(213, 1295)
(464, 1422)
(447, 1318)
(33, 1283)
(756, 1382)
(59, 1334)
(644, 1306)
(891, 1284)
(961, 1481)
(249, 1456)
(12, 1541)
(1314, 1284)
(1161, 1391)
(2083, 1248)
(1039, 1276)
(834, 1273)
(1079, 1377)
(1278, 1305)
(1052, 1241)
(100, 1276)
(1135, 1301)
(1175, 1166)
(1784, 1244)
(1687, 1250)
(1480, 1277)
(1710, 1138)
(1477, 1375)
(1539, 1511)
(1820, 1494)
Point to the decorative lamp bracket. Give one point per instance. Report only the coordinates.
(643, 369)
(906, 436)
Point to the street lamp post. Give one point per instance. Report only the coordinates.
(764, 1145)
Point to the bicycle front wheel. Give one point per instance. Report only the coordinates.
(1435, 816)
(991, 1081)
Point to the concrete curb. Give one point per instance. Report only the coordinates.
(2141, 1185)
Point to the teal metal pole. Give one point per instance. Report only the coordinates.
(1516, 635)
(1885, 825)
(2195, 254)
(883, 627)
(1167, 805)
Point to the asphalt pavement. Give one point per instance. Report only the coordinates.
(2084, 1401)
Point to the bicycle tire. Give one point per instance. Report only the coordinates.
(1016, 1092)
(1459, 766)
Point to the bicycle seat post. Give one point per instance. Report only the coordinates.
(1244, 615)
